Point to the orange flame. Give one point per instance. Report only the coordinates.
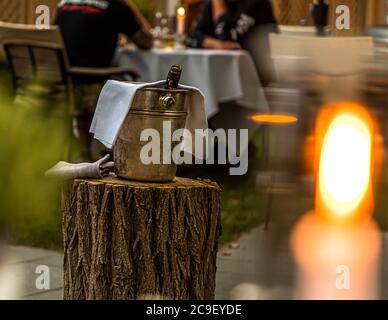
(274, 118)
(347, 152)
(344, 162)
(181, 11)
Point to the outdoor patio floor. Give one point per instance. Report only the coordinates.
(258, 266)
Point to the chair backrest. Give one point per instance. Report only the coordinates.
(257, 44)
(298, 30)
(379, 35)
(34, 54)
(378, 32)
(333, 56)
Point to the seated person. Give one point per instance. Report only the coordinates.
(90, 30)
(225, 23)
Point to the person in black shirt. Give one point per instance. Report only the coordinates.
(224, 24)
(90, 30)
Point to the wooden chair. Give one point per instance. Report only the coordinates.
(330, 56)
(257, 44)
(380, 37)
(40, 66)
(298, 30)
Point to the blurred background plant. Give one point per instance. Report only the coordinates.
(147, 8)
(30, 143)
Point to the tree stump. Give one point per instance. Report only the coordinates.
(134, 240)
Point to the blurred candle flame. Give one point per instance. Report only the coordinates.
(274, 118)
(339, 232)
(345, 156)
(344, 171)
(181, 11)
(181, 20)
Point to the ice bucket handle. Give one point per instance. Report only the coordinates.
(166, 101)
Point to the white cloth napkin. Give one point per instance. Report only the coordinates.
(116, 99)
(68, 171)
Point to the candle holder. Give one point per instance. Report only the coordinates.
(180, 41)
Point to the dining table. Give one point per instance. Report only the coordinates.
(221, 75)
(227, 79)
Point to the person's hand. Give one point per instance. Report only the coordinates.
(212, 43)
(229, 45)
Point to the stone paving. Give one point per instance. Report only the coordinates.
(258, 266)
(18, 273)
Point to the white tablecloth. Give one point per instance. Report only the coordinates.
(222, 76)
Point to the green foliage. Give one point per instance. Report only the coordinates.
(30, 143)
(5, 78)
(147, 8)
(242, 209)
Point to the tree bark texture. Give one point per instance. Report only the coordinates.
(133, 240)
